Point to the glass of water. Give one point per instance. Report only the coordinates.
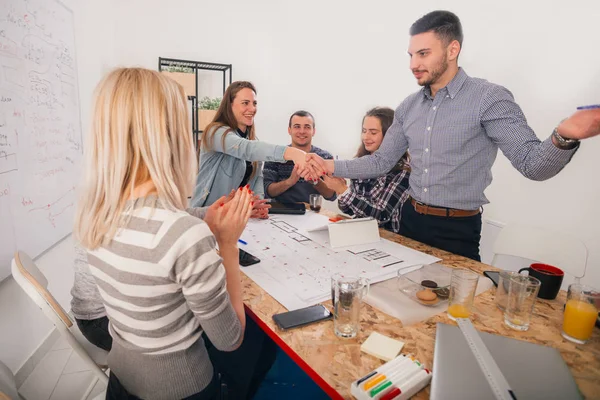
(502, 289)
(522, 292)
(348, 293)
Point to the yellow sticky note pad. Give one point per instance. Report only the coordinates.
(381, 346)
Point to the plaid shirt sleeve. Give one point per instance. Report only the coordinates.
(382, 201)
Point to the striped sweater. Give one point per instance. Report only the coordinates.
(163, 283)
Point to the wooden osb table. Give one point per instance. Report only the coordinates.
(333, 363)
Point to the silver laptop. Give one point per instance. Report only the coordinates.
(532, 371)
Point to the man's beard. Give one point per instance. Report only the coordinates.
(436, 72)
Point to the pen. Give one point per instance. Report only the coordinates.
(364, 378)
(590, 107)
(241, 241)
(349, 221)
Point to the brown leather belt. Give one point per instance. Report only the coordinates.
(441, 211)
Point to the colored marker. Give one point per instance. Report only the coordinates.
(409, 385)
(408, 365)
(404, 375)
(241, 241)
(374, 382)
(590, 107)
(380, 388)
(393, 365)
(391, 394)
(397, 375)
(364, 378)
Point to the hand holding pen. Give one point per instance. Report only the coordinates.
(583, 124)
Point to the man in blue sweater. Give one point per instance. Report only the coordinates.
(282, 181)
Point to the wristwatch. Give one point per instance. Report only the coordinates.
(564, 143)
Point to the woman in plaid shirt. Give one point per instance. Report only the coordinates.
(381, 198)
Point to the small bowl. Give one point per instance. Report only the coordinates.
(428, 285)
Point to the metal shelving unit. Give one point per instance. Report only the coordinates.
(195, 66)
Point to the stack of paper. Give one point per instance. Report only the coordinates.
(296, 266)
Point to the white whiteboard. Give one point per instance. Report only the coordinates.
(40, 127)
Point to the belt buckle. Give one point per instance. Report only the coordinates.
(419, 203)
(424, 206)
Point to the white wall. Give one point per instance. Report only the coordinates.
(336, 60)
(23, 327)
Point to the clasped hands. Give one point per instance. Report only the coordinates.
(313, 167)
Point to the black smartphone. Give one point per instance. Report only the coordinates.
(287, 208)
(493, 275)
(301, 317)
(247, 259)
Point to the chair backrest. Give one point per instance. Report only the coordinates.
(8, 385)
(550, 247)
(34, 283)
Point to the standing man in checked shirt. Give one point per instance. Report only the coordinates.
(454, 127)
(282, 181)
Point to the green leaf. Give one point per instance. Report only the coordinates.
(206, 103)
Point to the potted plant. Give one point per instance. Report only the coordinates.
(207, 108)
(184, 76)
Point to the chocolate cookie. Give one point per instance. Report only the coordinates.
(429, 284)
(442, 293)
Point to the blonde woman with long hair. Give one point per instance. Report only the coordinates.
(157, 269)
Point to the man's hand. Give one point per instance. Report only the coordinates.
(581, 125)
(316, 167)
(294, 177)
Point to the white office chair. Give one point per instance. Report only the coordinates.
(35, 284)
(8, 386)
(542, 245)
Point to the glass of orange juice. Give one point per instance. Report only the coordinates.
(581, 312)
(462, 291)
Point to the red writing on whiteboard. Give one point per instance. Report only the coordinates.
(26, 201)
(49, 173)
(4, 192)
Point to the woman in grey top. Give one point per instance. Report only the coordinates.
(157, 268)
(86, 304)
